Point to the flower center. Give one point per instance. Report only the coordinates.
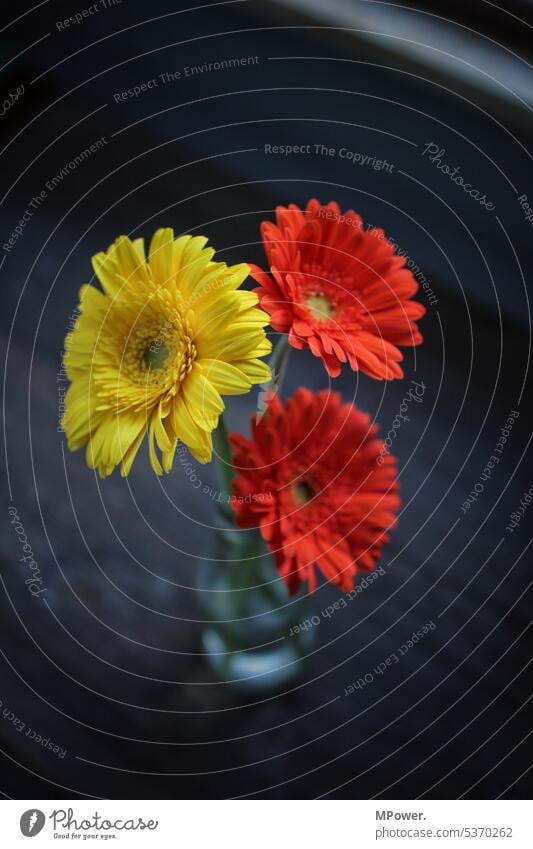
(319, 306)
(156, 355)
(144, 354)
(159, 356)
(302, 492)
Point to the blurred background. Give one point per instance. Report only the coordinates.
(182, 105)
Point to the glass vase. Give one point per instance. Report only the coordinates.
(251, 632)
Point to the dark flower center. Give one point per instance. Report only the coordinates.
(302, 492)
(155, 355)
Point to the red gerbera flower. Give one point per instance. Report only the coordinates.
(338, 289)
(311, 480)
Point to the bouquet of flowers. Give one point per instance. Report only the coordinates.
(172, 331)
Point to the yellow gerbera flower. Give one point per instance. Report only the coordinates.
(155, 350)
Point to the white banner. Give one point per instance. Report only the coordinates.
(267, 824)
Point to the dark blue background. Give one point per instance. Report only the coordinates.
(453, 718)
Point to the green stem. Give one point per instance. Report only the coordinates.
(278, 362)
(224, 460)
(226, 473)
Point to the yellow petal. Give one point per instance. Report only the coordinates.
(138, 244)
(154, 461)
(197, 441)
(247, 300)
(80, 416)
(131, 453)
(177, 251)
(128, 262)
(210, 284)
(203, 401)
(106, 270)
(255, 370)
(236, 274)
(162, 255)
(168, 456)
(193, 265)
(163, 441)
(218, 315)
(226, 378)
(231, 344)
(113, 438)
